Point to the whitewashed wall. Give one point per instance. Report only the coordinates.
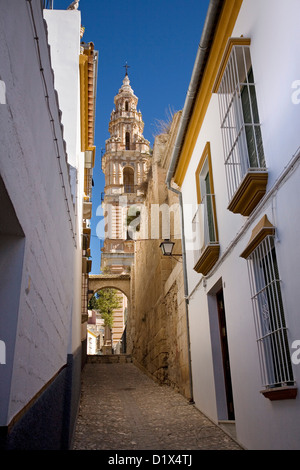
(63, 29)
(40, 195)
(260, 424)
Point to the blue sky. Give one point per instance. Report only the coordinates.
(159, 41)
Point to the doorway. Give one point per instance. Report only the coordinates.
(225, 354)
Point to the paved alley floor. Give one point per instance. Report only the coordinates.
(123, 409)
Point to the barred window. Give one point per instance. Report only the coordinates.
(240, 125)
(271, 330)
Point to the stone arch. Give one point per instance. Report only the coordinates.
(122, 284)
(110, 286)
(101, 281)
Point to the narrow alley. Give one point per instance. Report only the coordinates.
(123, 409)
(149, 237)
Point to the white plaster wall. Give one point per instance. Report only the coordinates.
(63, 29)
(261, 424)
(29, 168)
(91, 343)
(64, 40)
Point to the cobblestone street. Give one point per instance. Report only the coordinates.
(123, 409)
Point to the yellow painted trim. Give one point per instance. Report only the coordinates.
(208, 259)
(206, 155)
(260, 231)
(83, 70)
(230, 43)
(92, 334)
(223, 32)
(249, 193)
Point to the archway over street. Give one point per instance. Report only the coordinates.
(117, 281)
(121, 283)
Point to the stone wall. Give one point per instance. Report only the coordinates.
(157, 332)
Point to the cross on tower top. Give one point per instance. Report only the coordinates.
(126, 67)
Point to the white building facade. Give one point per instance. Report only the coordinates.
(42, 169)
(238, 170)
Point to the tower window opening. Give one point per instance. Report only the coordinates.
(128, 179)
(126, 106)
(127, 141)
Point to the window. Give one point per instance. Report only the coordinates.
(241, 132)
(207, 200)
(128, 180)
(127, 141)
(126, 106)
(205, 222)
(251, 123)
(270, 324)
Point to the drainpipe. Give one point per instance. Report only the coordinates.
(212, 17)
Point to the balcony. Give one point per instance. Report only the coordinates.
(86, 265)
(249, 193)
(86, 236)
(89, 158)
(87, 208)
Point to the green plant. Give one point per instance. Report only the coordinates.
(106, 301)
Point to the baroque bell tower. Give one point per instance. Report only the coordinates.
(125, 165)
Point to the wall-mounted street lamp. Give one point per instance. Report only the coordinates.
(167, 248)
